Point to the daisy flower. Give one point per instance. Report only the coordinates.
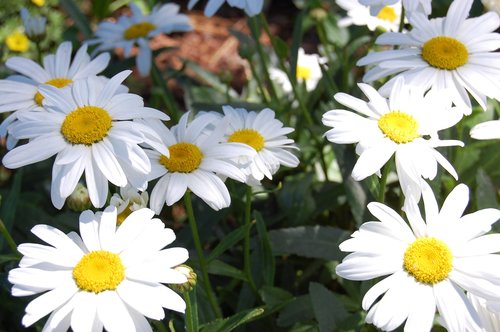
(428, 264)
(263, 132)
(106, 277)
(376, 6)
(137, 29)
(128, 201)
(20, 92)
(89, 129)
(395, 126)
(486, 130)
(251, 7)
(454, 53)
(308, 72)
(491, 5)
(197, 159)
(387, 18)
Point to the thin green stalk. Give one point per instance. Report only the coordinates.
(263, 92)
(402, 19)
(38, 52)
(252, 22)
(166, 95)
(201, 258)
(191, 311)
(10, 241)
(246, 244)
(383, 181)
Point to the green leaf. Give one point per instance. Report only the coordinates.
(299, 310)
(230, 323)
(10, 203)
(265, 254)
(328, 310)
(228, 242)
(100, 8)
(485, 191)
(76, 14)
(308, 241)
(296, 41)
(223, 269)
(280, 47)
(210, 79)
(192, 314)
(296, 199)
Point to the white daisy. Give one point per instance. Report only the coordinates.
(251, 7)
(395, 126)
(20, 92)
(490, 320)
(106, 277)
(197, 158)
(128, 201)
(34, 26)
(452, 52)
(491, 5)
(486, 130)
(429, 264)
(412, 6)
(308, 72)
(266, 135)
(88, 127)
(387, 18)
(137, 29)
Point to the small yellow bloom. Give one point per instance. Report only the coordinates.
(39, 3)
(17, 41)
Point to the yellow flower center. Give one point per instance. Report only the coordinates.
(59, 82)
(17, 42)
(184, 158)
(399, 127)
(445, 53)
(387, 14)
(124, 214)
(99, 271)
(428, 260)
(249, 137)
(39, 3)
(303, 73)
(138, 30)
(86, 125)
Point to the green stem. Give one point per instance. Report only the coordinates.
(201, 258)
(167, 96)
(259, 82)
(38, 52)
(383, 181)
(402, 20)
(10, 241)
(246, 244)
(190, 312)
(252, 22)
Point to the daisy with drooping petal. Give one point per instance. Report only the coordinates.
(486, 130)
(395, 126)
(251, 7)
(90, 129)
(197, 158)
(308, 72)
(426, 265)
(128, 201)
(137, 29)
(387, 18)
(454, 53)
(20, 92)
(263, 132)
(106, 277)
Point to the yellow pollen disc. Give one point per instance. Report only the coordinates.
(445, 53)
(138, 30)
(17, 42)
(428, 260)
(399, 127)
(303, 73)
(86, 125)
(249, 137)
(184, 158)
(124, 214)
(99, 271)
(60, 82)
(387, 14)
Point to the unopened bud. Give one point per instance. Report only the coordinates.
(318, 14)
(191, 279)
(79, 200)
